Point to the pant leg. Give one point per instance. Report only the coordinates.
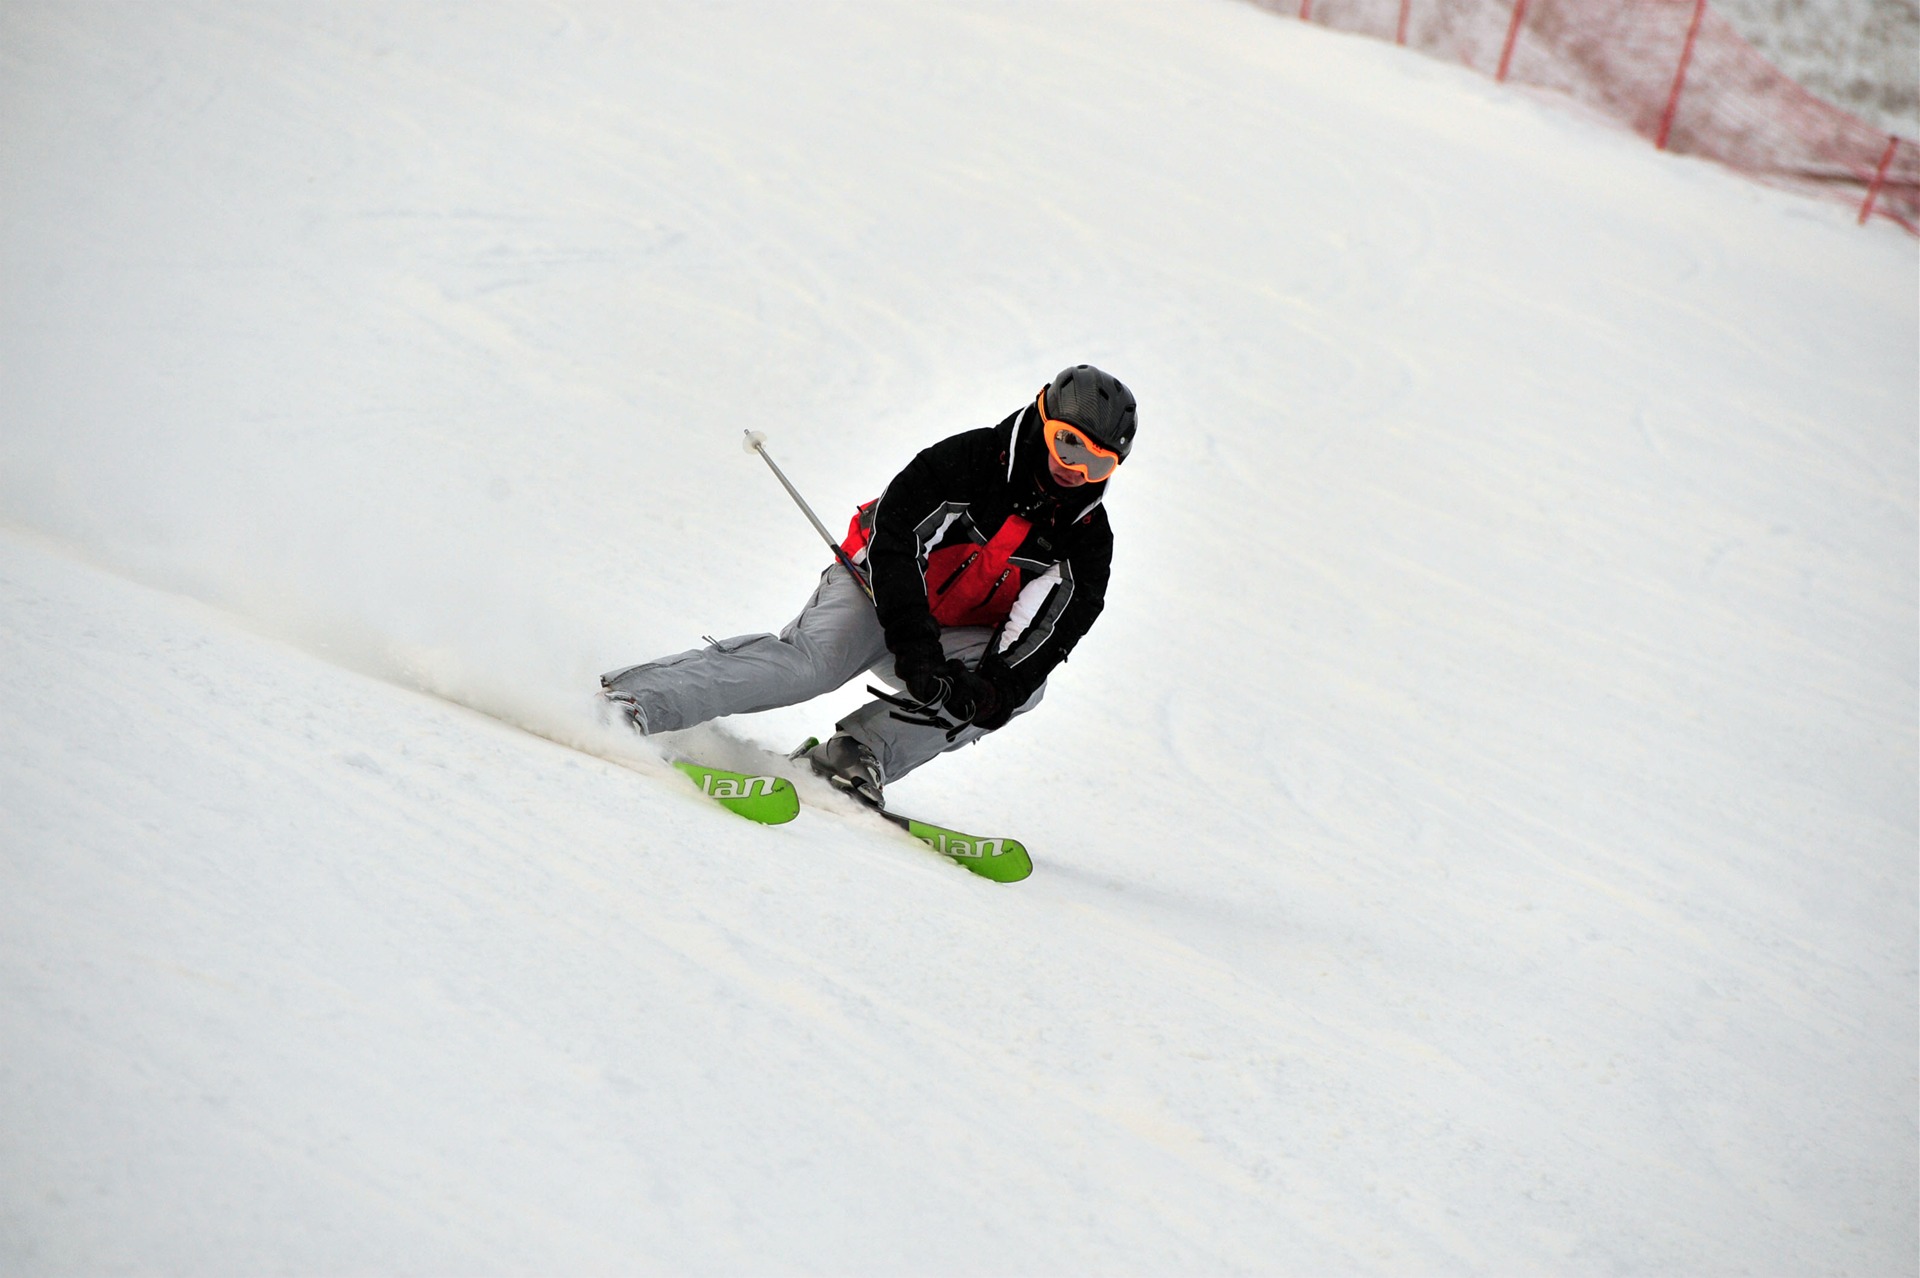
(835, 637)
(901, 747)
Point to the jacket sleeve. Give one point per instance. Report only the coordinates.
(1054, 611)
(907, 521)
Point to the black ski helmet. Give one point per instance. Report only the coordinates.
(1098, 403)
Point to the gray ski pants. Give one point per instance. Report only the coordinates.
(835, 638)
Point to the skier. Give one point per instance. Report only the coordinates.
(984, 562)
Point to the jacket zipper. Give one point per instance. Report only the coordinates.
(947, 585)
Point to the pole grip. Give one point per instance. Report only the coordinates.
(756, 442)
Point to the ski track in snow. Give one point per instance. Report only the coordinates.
(1479, 836)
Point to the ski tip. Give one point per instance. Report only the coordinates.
(770, 800)
(1010, 866)
(1001, 860)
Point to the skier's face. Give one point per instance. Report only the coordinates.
(1071, 450)
(1064, 477)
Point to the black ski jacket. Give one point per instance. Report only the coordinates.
(974, 532)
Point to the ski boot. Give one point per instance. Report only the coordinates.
(848, 766)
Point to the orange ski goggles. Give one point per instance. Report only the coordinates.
(1072, 449)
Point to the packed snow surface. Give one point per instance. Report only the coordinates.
(1479, 836)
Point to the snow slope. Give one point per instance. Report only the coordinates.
(1478, 837)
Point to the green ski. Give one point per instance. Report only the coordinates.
(770, 800)
(1002, 860)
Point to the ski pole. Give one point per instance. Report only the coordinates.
(756, 442)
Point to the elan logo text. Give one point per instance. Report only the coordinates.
(948, 846)
(743, 788)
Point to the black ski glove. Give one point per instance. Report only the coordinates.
(975, 699)
(924, 673)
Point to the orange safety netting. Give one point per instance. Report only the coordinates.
(1674, 71)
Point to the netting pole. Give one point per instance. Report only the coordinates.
(1680, 76)
(1879, 179)
(1400, 36)
(1513, 35)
